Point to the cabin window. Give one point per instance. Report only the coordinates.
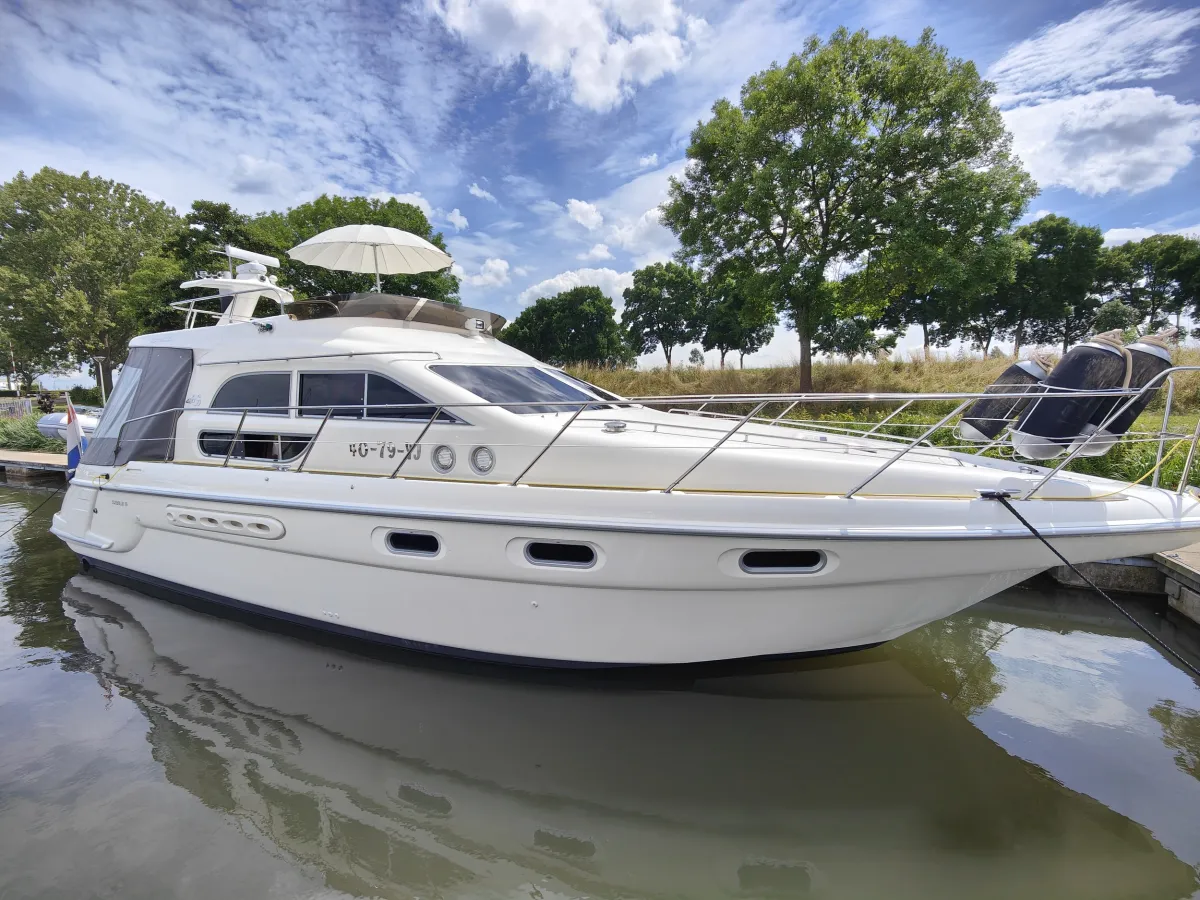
(782, 562)
(414, 543)
(254, 446)
(139, 421)
(560, 553)
(515, 385)
(264, 393)
(345, 392)
(355, 394)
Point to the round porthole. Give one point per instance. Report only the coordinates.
(483, 460)
(443, 458)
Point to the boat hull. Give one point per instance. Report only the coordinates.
(661, 591)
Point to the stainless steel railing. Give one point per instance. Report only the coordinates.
(697, 408)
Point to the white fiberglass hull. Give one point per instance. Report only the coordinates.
(666, 587)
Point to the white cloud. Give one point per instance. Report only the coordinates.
(1117, 43)
(585, 214)
(604, 48)
(598, 252)
(413, 197)
(645, 162)
(635, 224)
(1076, 120)
(476, 191)
(1130, 139)
(1115, 236)
(545, 207)
(612, 282)
(493, 273)
(457, 219)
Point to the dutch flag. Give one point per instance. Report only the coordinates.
(76, 442)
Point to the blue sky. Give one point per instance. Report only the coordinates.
(539, 134)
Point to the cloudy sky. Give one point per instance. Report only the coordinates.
(539, 134)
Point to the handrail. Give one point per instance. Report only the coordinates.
(1162, 431)
(1113, 416)
(714, 447)
(841, 437)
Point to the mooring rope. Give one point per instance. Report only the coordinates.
(53, 493)
(1003, 498)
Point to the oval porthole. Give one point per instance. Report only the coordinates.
(556, 553)
(414, 543)
(781, 562)
(483, 460)
(443, 458)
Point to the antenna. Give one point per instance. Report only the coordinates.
(231, 253)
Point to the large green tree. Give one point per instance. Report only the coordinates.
(1155, 276)
(853, 337)
(69, 246)
(1053, 297)
(193, 249)
(575, 326)
(734, 318)
(662, 308)
(852, 149)
(277, 232)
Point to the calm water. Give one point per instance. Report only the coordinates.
(1035, 747)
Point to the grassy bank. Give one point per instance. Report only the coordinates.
(22, 434)
(899, 376)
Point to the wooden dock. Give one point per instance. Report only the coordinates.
(1182, 571)
(25, 466)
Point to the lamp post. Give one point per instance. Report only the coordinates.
(100, 378)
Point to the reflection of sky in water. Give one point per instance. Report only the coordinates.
(1077, 704)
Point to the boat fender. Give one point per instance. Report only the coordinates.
(1050, 424)
(1151, 357)
(986, 418)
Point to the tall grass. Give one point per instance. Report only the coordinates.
(22, 434)
(914, 375)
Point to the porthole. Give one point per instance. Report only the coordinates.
(414, 543)
(483, 460)
(443, 458)
(781, 562)
(557, 553)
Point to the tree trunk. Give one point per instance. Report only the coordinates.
(667, 354)
(925, 339)
(1017, 339)
(723, 352)
(741, 360)
(806, 382)
(987, 344)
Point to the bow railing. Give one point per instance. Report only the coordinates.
(792, 417)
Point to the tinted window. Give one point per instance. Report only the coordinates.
(267, 393)
(344, 391)
(588, 386)
(139, 420)
(514, 384)
(273, 447)
(388, 400)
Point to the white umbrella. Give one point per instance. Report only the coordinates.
(371, 248)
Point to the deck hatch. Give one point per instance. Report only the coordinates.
(560, 553)
(767, 562)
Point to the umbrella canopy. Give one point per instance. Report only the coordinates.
(371, 248)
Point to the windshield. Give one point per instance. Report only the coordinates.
(579, 382)
(516, 384)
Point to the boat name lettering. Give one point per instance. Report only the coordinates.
(385, 449)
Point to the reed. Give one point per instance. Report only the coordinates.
(22, 434)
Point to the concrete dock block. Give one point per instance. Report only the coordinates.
(1133, 575)
(1183, 600)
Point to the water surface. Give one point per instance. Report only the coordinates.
(1034, 746)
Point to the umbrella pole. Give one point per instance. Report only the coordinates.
(375, 254)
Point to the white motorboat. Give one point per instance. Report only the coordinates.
(384, 467)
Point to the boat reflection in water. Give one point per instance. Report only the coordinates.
(840, 778)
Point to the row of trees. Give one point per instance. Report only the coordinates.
(869, 183)
(1060, 284)
(86, 263)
